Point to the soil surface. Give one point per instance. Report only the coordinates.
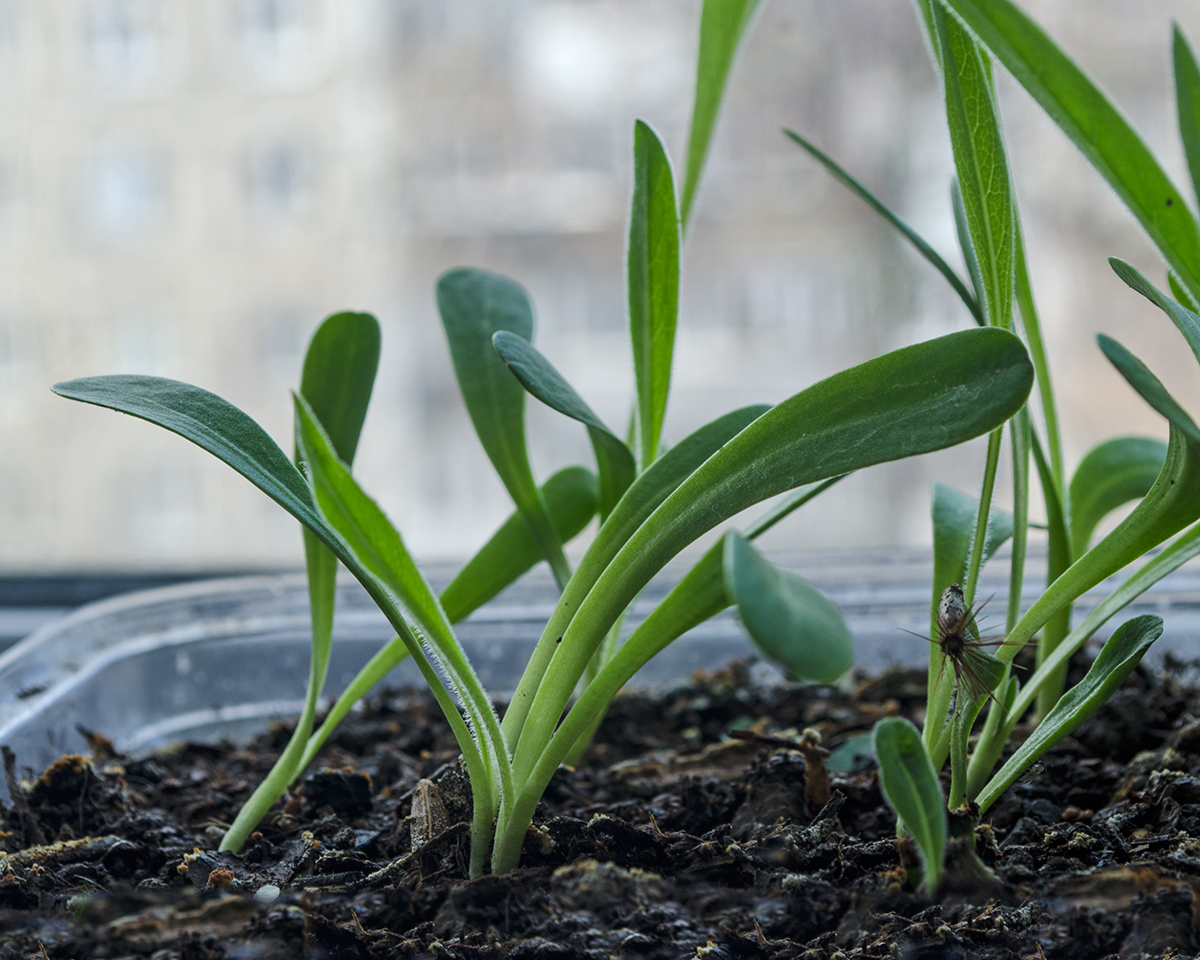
(672, 839)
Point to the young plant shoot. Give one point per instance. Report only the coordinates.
(653, 500)
(966, 672)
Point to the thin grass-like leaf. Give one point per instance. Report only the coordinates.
(1094, 125)
(474, 305)
(1187, 100)
(723, 23)
(860, 190)
(653, 284)
(910, 787)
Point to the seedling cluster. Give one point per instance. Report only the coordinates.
(652, 501)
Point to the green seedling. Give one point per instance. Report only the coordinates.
(965, 674)
(910, 787)
(652, 505)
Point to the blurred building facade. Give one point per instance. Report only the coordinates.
(188, 186)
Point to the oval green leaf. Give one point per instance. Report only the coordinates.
(474, 305)
(789, 619)
(910, 787)
(1111, 474)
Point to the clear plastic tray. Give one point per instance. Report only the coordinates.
(219, 658)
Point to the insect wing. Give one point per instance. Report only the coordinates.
(981, 671)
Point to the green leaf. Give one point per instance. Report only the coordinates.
(570, 497)
(381, 561)
(1112, 473)
(614, 460)
(788, 619)
(966, 245)
(643, 497)
(1187, 98)
(1181, 293)
(653, 284)
(1093, 124)
(212, 424)
(910, 787)
(1122, 652)
(722, 26)
(954, 519)
(920, 398)
(954, 515)
(1186, 320)
(980, 163)
(1171, 504)
(339, 372)
(863, 193)
(474, 305)
(1148, 386)
(1058, 560)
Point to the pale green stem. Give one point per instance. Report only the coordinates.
(985, 506)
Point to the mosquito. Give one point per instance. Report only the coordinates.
(977, 670)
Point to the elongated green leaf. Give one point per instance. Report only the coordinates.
(870, 199)
(339, 372)
(1180, 292)
(570, 497)
(1185, 319)
(698, 595)
(1187, 99)
(1171, 504)
(643, 497)
(1111, 474)
(910, 787)
(653, 284)
(377, 549)
(1173, 556)
(614, 460)
(954, 514)
(954, 517)
(1037, 353)
(1122, 652)
(980, 163)
(788, 618)
(1148, 386)
(723, 23)
(212, 424)
(921, 398)
(966, 246)
(1093, 124)
(474, 305)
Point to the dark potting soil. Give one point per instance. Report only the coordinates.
(672, 839)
